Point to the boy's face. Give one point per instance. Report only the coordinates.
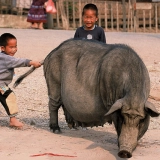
(89, 19)
(10, 48)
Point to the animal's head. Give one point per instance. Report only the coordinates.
(131, 123)
(133, 116)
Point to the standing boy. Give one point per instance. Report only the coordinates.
(90, 30)
(8, 45)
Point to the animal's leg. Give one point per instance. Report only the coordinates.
(69, 118)
(54, 105)
(52, 75)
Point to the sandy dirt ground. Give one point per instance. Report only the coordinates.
(97, 143)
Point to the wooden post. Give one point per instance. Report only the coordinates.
(124, 15)
(99, 16)
(67, 11)
(135, 17)
(156, 19)
(150, 19)
(106, 9)
(132, 20)
(128, 15)
(134, 14)
(112, 16)
(57, 15)
(117, 16)
(74, 23)
(144, 21)
(80, 13)
(65, 23)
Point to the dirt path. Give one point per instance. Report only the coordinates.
(92, 144)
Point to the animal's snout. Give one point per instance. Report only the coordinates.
(125, 153)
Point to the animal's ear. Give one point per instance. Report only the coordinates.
(116, 106)
(151, 110)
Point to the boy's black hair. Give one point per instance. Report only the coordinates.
(91, 7)
(5, 37)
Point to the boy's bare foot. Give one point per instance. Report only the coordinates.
(15, 123)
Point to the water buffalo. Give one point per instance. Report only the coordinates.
(98, 83)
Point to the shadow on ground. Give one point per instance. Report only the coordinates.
(100, 136)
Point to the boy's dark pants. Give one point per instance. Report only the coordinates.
(8, 100)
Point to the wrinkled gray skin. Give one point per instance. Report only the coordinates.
(98, 83)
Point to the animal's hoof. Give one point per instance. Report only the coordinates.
(55, 129)
(124, 154)
(70, 125)
(84, 128)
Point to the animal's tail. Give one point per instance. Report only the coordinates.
(19, 80)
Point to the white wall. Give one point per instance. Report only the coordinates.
(23, 3)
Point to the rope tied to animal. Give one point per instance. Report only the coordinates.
(20, 79)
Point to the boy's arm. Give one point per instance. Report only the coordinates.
(12, 62)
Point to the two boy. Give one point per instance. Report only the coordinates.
(8, 45)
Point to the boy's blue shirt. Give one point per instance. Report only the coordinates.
(7, 65)
(97, 34)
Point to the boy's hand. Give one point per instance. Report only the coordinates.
(36, 64)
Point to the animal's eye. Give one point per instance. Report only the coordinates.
(136, 116)
(138, 124)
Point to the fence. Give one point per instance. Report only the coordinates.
(111, 17)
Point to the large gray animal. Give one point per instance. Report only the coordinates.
(98, 83)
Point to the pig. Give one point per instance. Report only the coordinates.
(96, 83)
